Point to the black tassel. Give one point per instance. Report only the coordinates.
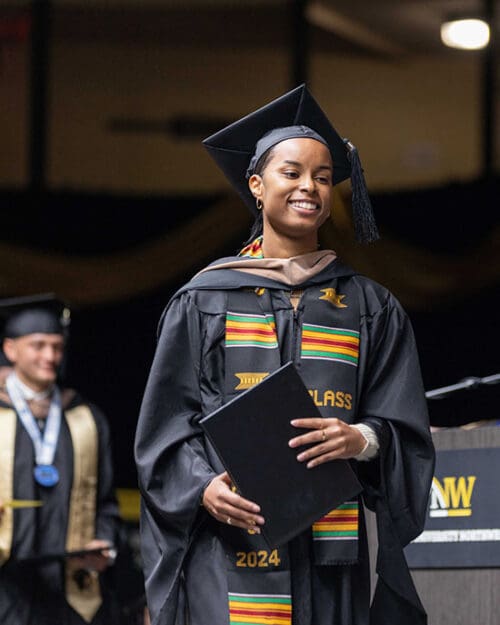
(365, 226)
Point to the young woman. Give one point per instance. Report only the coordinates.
(284, 300)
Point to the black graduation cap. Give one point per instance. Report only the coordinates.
(30, 314)
(234, 147)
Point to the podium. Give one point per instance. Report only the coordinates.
(465, 595)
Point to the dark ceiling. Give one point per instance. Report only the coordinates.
(391, 28)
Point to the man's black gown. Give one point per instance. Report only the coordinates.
(185, 564)
(33, 594)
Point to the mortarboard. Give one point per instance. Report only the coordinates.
(250, 435)
(31, 314)
(235, 149)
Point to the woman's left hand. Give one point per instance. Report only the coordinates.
(331, 439)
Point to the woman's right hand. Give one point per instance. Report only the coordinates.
(228, 507)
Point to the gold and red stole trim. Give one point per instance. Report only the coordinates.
(260, 609)
(8, 421)
(82, 509)
(251, 330)
(324, 343)
(258, 579)
(339, 524)
(329, 353)
(335, 536)
(327, 343)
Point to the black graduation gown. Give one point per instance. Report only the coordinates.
(184, 562)
(31, 594)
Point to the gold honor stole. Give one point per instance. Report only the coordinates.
(8, 421)
(82, 510)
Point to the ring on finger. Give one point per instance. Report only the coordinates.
(323, 435)
(228, 520)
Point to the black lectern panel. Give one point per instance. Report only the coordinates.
(463, 594)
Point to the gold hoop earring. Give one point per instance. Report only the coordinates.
(259, 204)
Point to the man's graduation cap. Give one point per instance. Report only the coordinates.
(30, 314)
(237, 148)
(42, 313)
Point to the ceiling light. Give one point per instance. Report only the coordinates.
(466, 34)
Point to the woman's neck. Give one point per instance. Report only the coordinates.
(283, 247)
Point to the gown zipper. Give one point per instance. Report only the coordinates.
(295, 298)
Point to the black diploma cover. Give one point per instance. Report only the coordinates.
(250, 435)
(47, 558)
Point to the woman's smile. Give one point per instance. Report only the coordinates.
(304, 206)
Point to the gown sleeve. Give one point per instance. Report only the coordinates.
(397, 483)
(173, 469)
(392, 392)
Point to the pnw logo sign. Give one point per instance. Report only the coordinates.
(462, 527)
(452, 496)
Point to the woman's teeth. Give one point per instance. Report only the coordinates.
(303, 204)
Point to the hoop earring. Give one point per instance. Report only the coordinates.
(259, 204)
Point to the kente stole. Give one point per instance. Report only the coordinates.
(325, 349)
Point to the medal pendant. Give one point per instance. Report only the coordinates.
(46, 475)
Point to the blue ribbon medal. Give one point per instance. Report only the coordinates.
(46, 474)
